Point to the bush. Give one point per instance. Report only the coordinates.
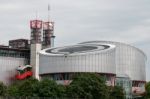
(3, 89)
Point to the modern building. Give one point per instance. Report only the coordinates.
(21, 52)
(119, 63)
(10, 59)
(106, 58)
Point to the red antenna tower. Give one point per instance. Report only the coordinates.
(36, 27)
(48, 32)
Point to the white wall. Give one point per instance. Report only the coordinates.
(8, 67)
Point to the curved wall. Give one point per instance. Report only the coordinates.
(120, 58)
(129, 60)
(98, 60)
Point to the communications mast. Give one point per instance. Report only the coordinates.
(36, 28)
(48, 32)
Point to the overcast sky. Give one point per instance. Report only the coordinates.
(125, 21)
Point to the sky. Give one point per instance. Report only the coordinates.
(126, 21)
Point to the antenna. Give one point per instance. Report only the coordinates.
(48, 12)
(36, 15)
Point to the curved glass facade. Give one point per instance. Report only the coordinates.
(126, 83)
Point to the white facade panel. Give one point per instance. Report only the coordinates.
(8, 67)
(34, 60)
(129, 60)
(121, 59)
(99, 61)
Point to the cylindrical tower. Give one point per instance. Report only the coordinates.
(62, 63)
(36, 28)
(130, 61)
(48, 34)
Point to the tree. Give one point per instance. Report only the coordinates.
(61, 92)
(147, 88)
(29, 87)
(3, 89)
(49, 88)
(33, 88)
(117, 92)
(13, 90)
(88, 86)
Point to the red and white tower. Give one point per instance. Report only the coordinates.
(48, 34)
(36, 26)
(36, 29)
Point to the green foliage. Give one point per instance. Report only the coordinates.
(2, 89)
(48, 88)
(117, 92)
(26, 87)
(147, 87)
(29, 87)
(34, 88)
(13, 90)
(83, 86)
(61, 92)
(88, 86)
